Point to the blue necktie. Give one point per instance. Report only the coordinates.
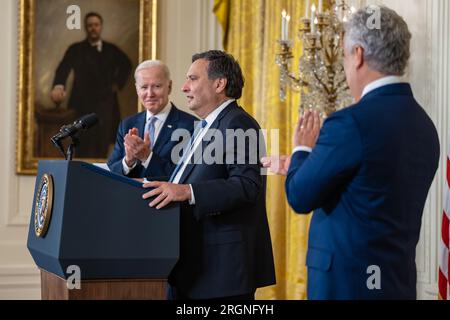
(150, 128)
(197, 130)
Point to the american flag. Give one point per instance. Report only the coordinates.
(444, 261)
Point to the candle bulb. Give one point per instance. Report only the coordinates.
(307, 9)
(313, 18)
(339, 9)
(283, 24)
(320, 6)
(288, 18)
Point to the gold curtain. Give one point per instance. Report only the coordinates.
(251, 30)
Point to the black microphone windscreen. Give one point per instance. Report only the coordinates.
(89, 120)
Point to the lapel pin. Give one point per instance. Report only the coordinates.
(169, 126)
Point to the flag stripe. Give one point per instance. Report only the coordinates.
(444, 256)
(444, 253)
(448, 171)
(445, 230)
(447, 201)
(442, 286)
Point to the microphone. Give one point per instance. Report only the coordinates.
(84, 123)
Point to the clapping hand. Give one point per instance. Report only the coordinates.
(307, 130)
(136, 148)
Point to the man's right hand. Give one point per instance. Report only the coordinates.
(136, 148)
(58, 94)
(277, 164)
(130, 158)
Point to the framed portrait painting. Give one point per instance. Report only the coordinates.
(77, 57)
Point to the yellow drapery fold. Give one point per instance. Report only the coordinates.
(222, 11)
(251, 31)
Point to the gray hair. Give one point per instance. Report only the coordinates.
(386, 49)
(150, 64)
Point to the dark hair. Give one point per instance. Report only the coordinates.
(92, 14)
(223, 65)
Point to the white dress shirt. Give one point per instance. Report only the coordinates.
(381, 83)
(198, 139)
(368, 88)
(98, 45)
(161, 119)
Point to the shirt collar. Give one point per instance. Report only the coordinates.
(213, 115)
(381, 83)
(162, 115)
(98, 44)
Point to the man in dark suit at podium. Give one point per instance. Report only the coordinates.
(368, 173)
(225, 245)
(143, 146)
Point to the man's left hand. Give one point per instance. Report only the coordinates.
(166, 192)
(307, 130)
(138, 148)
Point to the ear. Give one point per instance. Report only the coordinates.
(221, 84)
(358, 57)
(170, 87)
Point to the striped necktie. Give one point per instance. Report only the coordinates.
(150, 129)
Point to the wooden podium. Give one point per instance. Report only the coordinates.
(55, 288)
(97, 221)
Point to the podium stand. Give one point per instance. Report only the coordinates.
(98, 223)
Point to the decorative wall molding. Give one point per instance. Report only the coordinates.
(437, 86)
(19, 282)
(18, 220)
(23, 275)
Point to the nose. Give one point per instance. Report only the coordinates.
(149, 91)
(185, 87)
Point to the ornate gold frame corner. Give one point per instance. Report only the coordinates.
(26, 162)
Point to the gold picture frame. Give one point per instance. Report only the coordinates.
(29, 83)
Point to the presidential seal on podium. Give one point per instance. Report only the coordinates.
(43, 205)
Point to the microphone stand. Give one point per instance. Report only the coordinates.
(59, 146)
(71, 148)
(73, 130)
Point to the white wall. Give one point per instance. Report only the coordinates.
(18, 275)
(186, 27)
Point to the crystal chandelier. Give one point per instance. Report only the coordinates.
(321, 78)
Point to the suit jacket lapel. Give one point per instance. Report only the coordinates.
(166, 131)
(214, 125)
(140, 124)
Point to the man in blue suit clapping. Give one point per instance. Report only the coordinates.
(144, 141)
(366, 173)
